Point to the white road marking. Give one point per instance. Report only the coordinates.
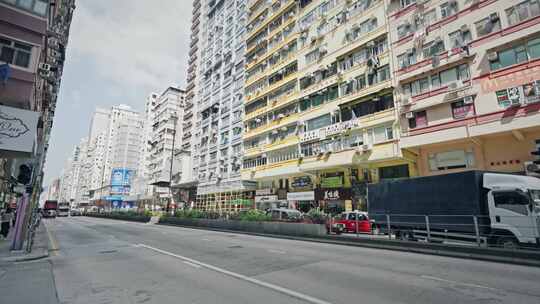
(207, 240)
(455, 282)
(277, 251)
(242, 277)
(192, 265)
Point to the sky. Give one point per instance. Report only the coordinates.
(118, 53)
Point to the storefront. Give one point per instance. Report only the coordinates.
(303, 201)
(334, 200)
(268, 199)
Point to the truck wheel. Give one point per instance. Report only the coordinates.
(507, 243)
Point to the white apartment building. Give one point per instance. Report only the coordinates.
(123, 141)
(219, 81)
(165, 114)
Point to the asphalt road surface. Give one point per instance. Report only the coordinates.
(109, 261)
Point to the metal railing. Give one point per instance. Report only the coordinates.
(503, 231)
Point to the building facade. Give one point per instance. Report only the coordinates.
(467, 81)
(165, 113)
(219, 81)
(33, 40)
(319, 112)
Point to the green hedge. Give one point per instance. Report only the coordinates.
(126, 216)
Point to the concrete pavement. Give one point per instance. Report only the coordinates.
(105, 261)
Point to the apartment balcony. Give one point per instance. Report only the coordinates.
(445, 94)
(291, 77)
(266, 55)
(278, 123)
(272, 171)
(274, 16)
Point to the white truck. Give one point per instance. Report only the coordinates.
(489, 208)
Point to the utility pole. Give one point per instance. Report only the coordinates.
(174, 118)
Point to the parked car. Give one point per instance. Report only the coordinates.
(287, 215)
(75, 212)
(350, 219)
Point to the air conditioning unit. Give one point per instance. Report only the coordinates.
(366, 148)
(468, 100)
(44, 67)
(313, 39)
(283, 129)
(275, 132)
(455, 85)
(494, 17)
(409, 115)
(493, 56)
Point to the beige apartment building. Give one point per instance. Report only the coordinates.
(319, 111)
(468, 82)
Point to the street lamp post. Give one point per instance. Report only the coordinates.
(174, 119)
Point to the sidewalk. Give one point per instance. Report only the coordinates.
(27, 278)
(39, 250)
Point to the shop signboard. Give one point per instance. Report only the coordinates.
(333, 194)
(121, 177)
(18, 129)
(267, 191)
(301, 182)
(301, 196)
(266, 198)
(332, 182)
(330, 130)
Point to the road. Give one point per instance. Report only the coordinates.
(108, 261)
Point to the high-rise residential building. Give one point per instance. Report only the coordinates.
(319, 111)
(123, 141)
(165, 113)
(219, 82)
(185, 178)
(141, 188)
(468, 83)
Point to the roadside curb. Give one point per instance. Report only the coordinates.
(37, 253)
(499, 256)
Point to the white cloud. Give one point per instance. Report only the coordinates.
(134, 43)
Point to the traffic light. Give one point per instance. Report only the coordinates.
(25, 174)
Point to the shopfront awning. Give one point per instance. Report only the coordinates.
(351, 158)
(340, 159)
(277, 172)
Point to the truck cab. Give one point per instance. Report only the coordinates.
(514, 209)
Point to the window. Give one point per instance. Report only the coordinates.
(381, 134)
(416, 87)
(419, 120)
(405, 3)
(460, 38)
(408, 58)
(449, 8)
(16, 53)
(461, 110)
(319, 122)
(511, 200)
(488, 25)
(38, 7)
(433, 48)
(523, 11)
(399, 171)
(455, 159)
(517, 54)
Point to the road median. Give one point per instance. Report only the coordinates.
(521, 257)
